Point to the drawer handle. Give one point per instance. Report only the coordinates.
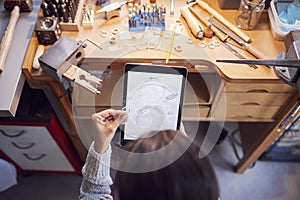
(250, 104)
(12, 136)
(244, 117)
(23, 147)
(258, 91)
(34, 158)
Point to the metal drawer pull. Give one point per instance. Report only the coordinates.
(250, 104)
(12, 136)
(258, 91)
(23, 147)
(34, 158)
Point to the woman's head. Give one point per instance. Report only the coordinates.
(188, 177)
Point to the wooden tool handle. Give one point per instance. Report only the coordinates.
(192, 22)
(216, 31)
(8, 36)
(223, 20)
(255, 52)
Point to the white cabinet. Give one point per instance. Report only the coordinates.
(38, 146)
(33, 148)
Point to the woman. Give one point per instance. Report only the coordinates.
(188, 177)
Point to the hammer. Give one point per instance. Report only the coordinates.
(16, 6)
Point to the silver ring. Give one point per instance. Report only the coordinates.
(211, 45)
(178, 47)
(216, 43)
(190, 41)
(115, 31)
(103, 33)
(178, 23)
(202, 44)
(167, 34)
(112, 40)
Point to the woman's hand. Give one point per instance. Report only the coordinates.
(107, 123)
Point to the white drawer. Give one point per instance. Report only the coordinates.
(40, 155)
(20, 133)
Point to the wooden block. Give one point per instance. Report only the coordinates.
(74, 26)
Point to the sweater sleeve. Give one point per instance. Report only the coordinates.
(96, 176)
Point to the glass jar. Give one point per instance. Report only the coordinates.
(249, 13)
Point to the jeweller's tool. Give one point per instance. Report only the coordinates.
(111, 10)
(84, 79)
(171, 45)
(88, 16)
(141, 16)
(248, 47)
(226, 31)
(193, 24)
(216, 31)
(171, 8)
(111, 7)
(60, 61)
(222, 19)
(238, 54)
(267, 62)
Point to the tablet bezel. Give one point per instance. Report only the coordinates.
(160, 69)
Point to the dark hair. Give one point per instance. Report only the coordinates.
(188, 177)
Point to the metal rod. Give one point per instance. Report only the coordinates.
(267, 62)
(172, 8)
(235, 52)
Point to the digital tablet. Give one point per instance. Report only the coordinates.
(153, 97)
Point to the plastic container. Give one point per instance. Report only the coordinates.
(278, 28)
(277, 33)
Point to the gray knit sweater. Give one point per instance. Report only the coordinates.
(96, 176)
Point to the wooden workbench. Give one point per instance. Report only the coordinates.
(250, 92)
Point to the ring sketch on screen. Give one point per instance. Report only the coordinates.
(152, 103)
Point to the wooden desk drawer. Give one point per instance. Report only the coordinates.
(244, 112)
(262, 88)
(194, 112)
(268, 99)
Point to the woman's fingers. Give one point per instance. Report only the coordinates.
(116, 117)
(120, 118)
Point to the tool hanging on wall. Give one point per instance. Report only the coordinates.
(16, 7)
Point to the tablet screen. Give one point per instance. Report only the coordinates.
(153, 97)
